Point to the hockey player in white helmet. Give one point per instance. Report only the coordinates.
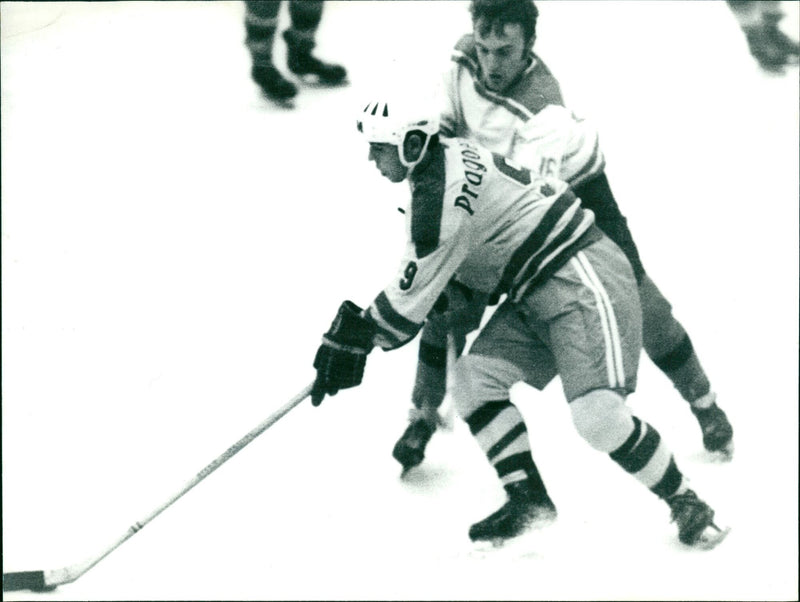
(476, 221)
(501, 94)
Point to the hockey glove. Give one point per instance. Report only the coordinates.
(341, 358)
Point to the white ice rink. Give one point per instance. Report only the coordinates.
(173, 246)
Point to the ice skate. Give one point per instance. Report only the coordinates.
(301, 62)
(717, 430)
(522, 511)
(779, 40)
(695, 521)
(272, 83)
(771, 47)
(410, 448)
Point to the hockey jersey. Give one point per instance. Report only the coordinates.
(476, 217)
(527, 123)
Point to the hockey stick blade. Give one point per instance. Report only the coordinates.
(44, 581)
(31, 580)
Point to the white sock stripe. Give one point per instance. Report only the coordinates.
(616, 340)
(612, 379)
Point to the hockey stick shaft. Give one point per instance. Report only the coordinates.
(448, 415)
(46, 580)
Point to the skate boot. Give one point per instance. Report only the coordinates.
(769, 46)
(695, 521)
(782, 42)
(523, 510)
(410, 448)
(717, 431)
(301, 62)
(272, 83)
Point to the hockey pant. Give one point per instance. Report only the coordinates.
(583, 324)
(666, 341)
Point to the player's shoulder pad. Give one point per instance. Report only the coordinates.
(543, 80)
(427, 201)
(464, 52)
(466, 44)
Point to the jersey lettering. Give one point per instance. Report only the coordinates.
(473, 174)
(408, 276)
(548, 167)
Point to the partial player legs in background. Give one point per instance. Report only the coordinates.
(671, 349)
(306, 15)
(759, 20)
(261, 21)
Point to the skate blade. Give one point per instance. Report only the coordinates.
(711, 537)
(520, 546)
(527, 543)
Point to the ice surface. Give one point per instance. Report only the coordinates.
(173, 246)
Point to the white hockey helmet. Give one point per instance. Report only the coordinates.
(389, 122)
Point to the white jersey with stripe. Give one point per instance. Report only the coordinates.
(528, 123)
(475, 217)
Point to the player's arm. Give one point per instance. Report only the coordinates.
(432, 256)
(555, 143)
(393, 319)
(401, 309)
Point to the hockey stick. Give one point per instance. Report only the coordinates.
(40, 581)
(448, 415)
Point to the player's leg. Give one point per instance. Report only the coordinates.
(665, 340)
(430, 383)
(300, 41)
(596, 346)
(671, 349)
(261, 21)
(505, 352)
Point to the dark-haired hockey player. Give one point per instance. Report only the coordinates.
(261, 21)
(501, 94)
(478, 221)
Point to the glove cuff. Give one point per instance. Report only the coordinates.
(351, 329)
(326, 340)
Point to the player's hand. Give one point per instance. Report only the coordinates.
(341, 357)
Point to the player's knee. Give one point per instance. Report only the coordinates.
(478, 379)
(602, 419)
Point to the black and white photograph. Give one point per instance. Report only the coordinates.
(400, 300)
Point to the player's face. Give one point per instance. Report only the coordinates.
(387, 160)
(502, 55)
